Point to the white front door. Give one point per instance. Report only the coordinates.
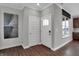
(46, 30)
(34, 30)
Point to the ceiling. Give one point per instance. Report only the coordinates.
(73, 8)
(22, 5)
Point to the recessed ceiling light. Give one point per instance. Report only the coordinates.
(38, 4)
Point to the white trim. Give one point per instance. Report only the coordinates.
(46, 6)
(26, 47)
(54, 49)
(39, 43)
(1, 48)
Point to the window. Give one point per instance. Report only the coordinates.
(45, 22)
(65, 27)
(10, 25)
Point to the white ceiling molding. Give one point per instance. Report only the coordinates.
(46, 6)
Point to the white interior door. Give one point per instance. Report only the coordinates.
(46, 30)
(34, 30)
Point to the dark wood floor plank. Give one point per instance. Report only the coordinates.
(71, 49)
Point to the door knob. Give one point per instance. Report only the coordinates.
(49, 32)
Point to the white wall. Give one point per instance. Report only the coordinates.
(53, 10)
(56, 17)
(58, 40)
(6, 43)
(57, 25)
(25, 27)
(56, 13)
(28, 12)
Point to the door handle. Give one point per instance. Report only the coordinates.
(49, 32)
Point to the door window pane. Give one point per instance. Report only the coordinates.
(45, 22)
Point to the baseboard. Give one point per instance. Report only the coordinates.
(54, 49)
(1, 48)
(39, 43)
(26, 47)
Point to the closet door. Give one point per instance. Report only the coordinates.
(34, 30)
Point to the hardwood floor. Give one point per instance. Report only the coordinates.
(71, 49)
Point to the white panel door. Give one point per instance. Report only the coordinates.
(34, 30)
(46, 30)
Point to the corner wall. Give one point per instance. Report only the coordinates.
(58, 40)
